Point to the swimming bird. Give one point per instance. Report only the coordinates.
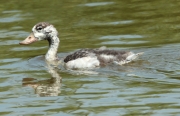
(81, 59)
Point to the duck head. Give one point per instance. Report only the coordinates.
(41, 31)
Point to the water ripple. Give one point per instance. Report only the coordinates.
(97, 4)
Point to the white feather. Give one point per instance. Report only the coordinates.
(130, 58)
(133, 56)
(85, 62)
(107, 57)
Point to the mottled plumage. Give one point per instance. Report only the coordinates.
(41, 25)
(79, 54)
(84, 58)
(118, 55)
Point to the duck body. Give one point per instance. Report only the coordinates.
(91, 58)
(81, 59)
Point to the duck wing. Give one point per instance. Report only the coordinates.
(79, 54)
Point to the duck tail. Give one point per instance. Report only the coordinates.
(133, 56)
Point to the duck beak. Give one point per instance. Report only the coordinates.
(30, 39)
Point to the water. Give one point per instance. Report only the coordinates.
(149, 86)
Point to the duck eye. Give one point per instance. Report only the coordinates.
(39, 28)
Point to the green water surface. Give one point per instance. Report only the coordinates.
(147, 87)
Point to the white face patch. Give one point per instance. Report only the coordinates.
(51, 29)
(39, 35)
(44, 32)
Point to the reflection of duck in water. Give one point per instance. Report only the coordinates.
(49, 87)
(85, 58)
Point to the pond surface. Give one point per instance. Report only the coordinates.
(147, 87)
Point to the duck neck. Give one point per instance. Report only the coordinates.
(51, 55)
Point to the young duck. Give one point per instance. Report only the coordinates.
(81, 59)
